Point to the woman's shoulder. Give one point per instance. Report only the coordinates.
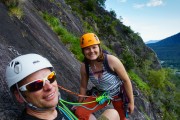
(83, 65)
(112, 58)
(83, 68)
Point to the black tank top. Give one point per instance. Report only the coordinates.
(25, 116)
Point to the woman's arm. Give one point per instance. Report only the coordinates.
(117, 66)
(84, 82)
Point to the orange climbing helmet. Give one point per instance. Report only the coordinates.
(89, 39)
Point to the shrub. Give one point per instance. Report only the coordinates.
(90, 5)
(159, 79)
(10, 3)
(101, 2)
(127, 29)
(113, 13)
(139, 82)
(128, 61)
(15, 11)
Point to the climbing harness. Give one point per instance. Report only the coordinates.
(100, 100)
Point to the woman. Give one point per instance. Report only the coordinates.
(103, 80)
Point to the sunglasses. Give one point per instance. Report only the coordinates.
(38, 84)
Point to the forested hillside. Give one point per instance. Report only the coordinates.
(168, 51)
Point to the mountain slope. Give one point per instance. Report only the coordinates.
(168, 50)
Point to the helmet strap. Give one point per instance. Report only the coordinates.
(20, 93)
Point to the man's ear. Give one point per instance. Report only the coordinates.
(18, 96)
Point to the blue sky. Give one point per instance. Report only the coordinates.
(152, 19)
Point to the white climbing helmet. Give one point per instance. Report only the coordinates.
(24, 65)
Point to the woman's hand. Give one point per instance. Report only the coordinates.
(131, 107)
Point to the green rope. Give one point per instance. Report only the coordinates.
(65, 112)
(68, 111)
(100, 100)
(71, 103)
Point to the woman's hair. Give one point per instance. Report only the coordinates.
(100, 57)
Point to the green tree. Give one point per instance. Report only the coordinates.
(157, 78)
(90, 5)
(128, 61)
(101, 2)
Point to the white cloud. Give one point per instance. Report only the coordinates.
(154, 3)
(139, 6)
(121, 0)
(151, 3)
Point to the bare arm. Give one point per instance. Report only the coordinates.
(118, 67)
(84, 82)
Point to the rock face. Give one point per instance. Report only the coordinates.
(32, 35)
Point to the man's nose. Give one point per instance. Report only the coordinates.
(47, 85)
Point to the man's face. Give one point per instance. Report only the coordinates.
(47, 97)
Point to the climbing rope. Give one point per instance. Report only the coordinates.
(67, 112)
(100, 100)
(71, 103)
(74, 92)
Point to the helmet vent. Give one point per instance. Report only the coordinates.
(16, 63)
(82, 41)
(11, 64)
(17, 67)
(96, 38)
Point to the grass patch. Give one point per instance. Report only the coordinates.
(13, 7)
(16, 11)
(67, 38)
(140, 83)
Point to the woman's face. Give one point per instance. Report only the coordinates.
(91, 52)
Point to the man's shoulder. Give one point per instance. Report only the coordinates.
(25, 116)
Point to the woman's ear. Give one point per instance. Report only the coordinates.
(18, 96)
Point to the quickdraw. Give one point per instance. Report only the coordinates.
(103, 98)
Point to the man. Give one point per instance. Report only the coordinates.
(32, 80)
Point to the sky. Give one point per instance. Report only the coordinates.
(152, 19)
